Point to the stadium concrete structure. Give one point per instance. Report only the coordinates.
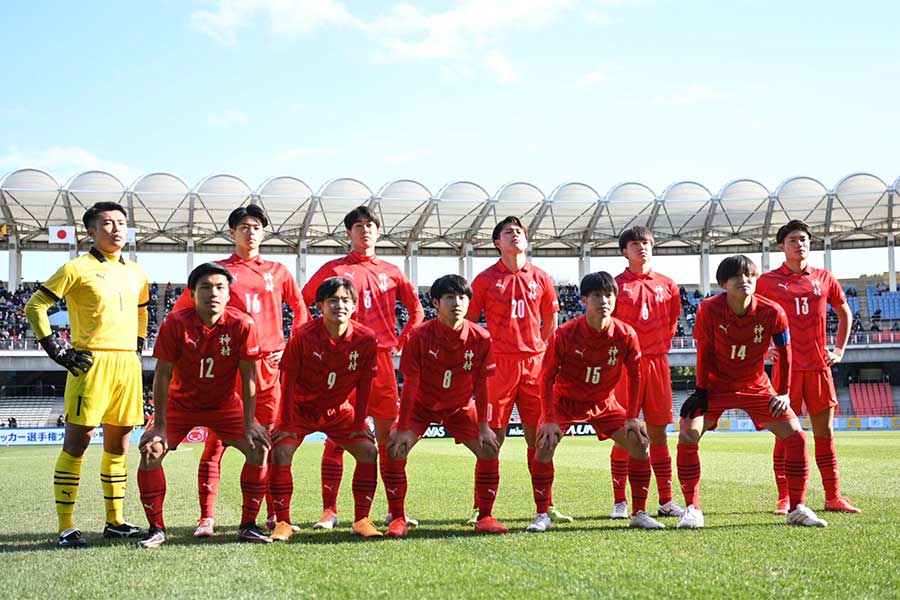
(572, 220)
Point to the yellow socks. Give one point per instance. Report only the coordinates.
(66, 476)
(113, 477)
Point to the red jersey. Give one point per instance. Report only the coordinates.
(805, 298)
(205, 358)
(379, 284)
(321, 372)
(442, 368)
(584, 365)
(651, 304)
(734, 347)
(258, 289)
(513, 305)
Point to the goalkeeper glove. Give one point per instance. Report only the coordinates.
(696, 404)
(70, 358)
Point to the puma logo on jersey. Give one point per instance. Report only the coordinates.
(783, 285)
(580, 353)
(348, 275)
(500, 285)
(191, 342)
(101, 276)
(434, 353)
(723, 327)
(318, 354)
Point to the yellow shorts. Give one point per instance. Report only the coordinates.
(109, 393)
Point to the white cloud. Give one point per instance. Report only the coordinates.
(223, 22)
(227, 118)
(408, 33)
(593, 79)
(64, 161)
(497, 63)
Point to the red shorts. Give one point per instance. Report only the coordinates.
(754, 403)
(384, 399)
(268, 391)
(655, 389)
(336, 423)
(516, 381)
(605, 418)
(461, 422)
(813, 388)
(226, 422)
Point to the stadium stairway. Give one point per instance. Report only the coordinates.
(872, 399)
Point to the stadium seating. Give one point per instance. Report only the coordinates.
(872, 399)
(29, 411)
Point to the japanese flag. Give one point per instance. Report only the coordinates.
(62, 235)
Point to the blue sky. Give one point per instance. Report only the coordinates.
(546, 91)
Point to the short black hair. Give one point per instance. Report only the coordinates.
(734, 266)
(634, 234)
(204, 270)
(450, 284)
(498, 228)
(361, 213)
(601, 281)
(790, 227)
(90, 215)
(251, 210)
(330, 286)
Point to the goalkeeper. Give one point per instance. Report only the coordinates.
(107, 298)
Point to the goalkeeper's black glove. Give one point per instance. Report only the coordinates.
(696, 404)
(140, 346)
(70, 358)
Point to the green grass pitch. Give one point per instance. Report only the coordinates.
(744, 552)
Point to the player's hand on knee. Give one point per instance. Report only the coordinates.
(695, 405)
(779, 405)
(277, 435)
(362, 432)
(256, 434)
(274, 358)
(487, 438)
(70, 358)
(635, 430)
(154, 444)
(399, 443)
(549, 436)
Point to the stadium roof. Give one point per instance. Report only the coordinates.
(574, 219)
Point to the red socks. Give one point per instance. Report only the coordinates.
(332, 473)
(661, 461)
(688, 462)
(778, 468)
(393, 474)
(826, 460)
(208, 474)
(542, 484)
(796, 468)
(152, 485)
(281, 486)
(487, 480)
(365, 481)
(618, 465)
(639, 476)
(253, 488)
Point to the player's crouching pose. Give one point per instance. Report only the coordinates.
(445, 362)
(733, 331)
(199, 352)
(584, 360)
(325, 362)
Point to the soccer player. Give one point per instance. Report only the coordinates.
(328, 367)
(259, 288)
(379, 284)
(199, 352)
(585, 359)
(107, 297)
(804, 292)
(650, 303)
(733, 332)
(520, 305)
(446, 361)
